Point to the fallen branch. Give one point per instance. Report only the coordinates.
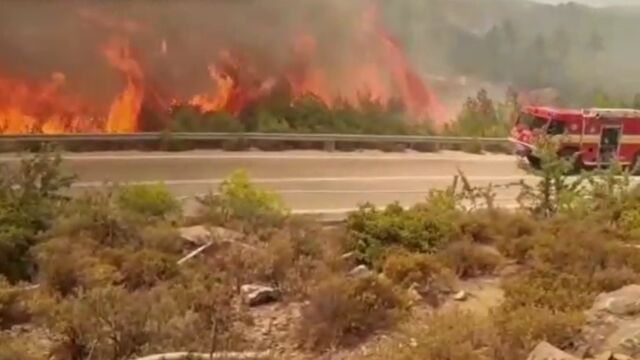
(195, 252)
(248, 355)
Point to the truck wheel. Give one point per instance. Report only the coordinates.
(534, 162)
(634, 168)
(572, 156)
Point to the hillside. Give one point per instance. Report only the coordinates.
(575, 48)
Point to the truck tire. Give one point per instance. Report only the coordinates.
(573, 156)
(634, 168)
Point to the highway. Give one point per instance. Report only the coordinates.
(309, 181)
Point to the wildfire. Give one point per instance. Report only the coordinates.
(378, 70)
(28, 107)
(124, 111)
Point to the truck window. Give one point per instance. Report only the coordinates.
(556, 127)
(531, 122)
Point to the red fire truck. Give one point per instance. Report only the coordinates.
(590, 137)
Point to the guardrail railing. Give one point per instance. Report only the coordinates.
(329, 140)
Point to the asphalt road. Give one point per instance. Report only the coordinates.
(308, 181)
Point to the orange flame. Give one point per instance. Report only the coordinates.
(124, 111)
(40, 108)
(303, 77)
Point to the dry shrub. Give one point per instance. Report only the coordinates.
(496, 226)
(406, 268)
(161, 237)
(514, 238)
(343, 311)
(519, 330)
(451, 335)
(146, 268)
(612, 279)
(12, 305)
(506, 334)
(547, 289)
(68, 265)
(468, 260)
(16, 348)
(113, 323)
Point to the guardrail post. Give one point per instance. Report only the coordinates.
(330, 146)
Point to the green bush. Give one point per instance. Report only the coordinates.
(239, 200)
(149, 201)
(30, 198)
(418, 229)
(343, 311)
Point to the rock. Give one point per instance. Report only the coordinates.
(256, 295)
(201, 235)
(613, 322)
(360, 271)
(623, 302)
(198, 235)
(546, 351)
(413, 295)
(460, 296)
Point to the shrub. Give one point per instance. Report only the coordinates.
(66, 266)
(30, 197)
(239, 200)
(12, 306)
(406, 268)
(451, 335)
(342, 311)
(547, 289)
(148, 201)
(146, 268)
(417, 229)
(15, 348)
(107, 322)
(471, 260)
(95, 215)
(519, 330)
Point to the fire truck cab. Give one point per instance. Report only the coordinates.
(592, 137)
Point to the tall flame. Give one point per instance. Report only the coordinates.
(124, 111)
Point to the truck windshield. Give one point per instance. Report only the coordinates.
(531, 122)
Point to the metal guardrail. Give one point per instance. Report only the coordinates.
(324, 138)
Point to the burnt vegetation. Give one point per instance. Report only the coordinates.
(104, 274)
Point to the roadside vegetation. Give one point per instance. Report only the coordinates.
(112, 273)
